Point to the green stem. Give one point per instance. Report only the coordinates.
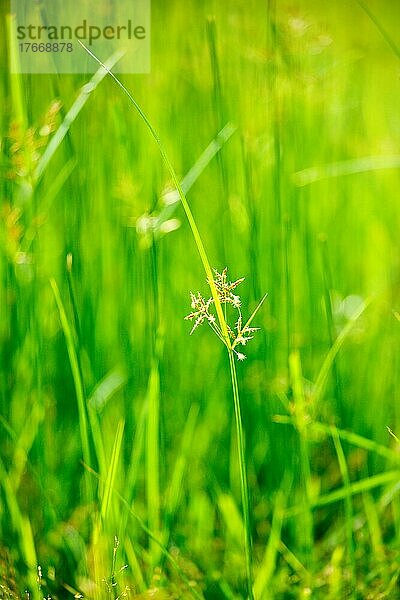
(221, 319)
(78, 383)
(348, 506)
(243, 476)
(185, 204)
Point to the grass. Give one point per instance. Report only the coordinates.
(120, 443)
(223, 334)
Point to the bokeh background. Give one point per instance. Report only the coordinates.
(302, 199)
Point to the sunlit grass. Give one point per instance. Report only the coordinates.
(118, 438)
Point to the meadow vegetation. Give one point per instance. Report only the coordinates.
(137, 460)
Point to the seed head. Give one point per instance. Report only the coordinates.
(203, 311)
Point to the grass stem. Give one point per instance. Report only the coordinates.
(178, 187)
(243, 476)
(222, 323)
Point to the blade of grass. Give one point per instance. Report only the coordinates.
(30, 556)
(46, 201)
(112, 470)
(93, 413)
(217, 86)
(349, 515)
(153, 455)
(267, 566)
(24, 443)
(243, 476)
(22, 527)
(335, 577)
(194, 173)
(331, 354)
(231, 517)
(137, 450)
(293, 561)
(221, 319)
(76, 375)
(346, 167)
(98, 549)
(348, 436)
(151, 535)
(301, 424)
(393, 584)
(357, 487)
(134, 564)
(174, 491)
(394, 436)
(218, 101)
(205, 158)
(360, 441)
(72, 114)
(97, 437)
(327, 283)
(105, 389)
(374, 528)
(185, 204)
(19, 109)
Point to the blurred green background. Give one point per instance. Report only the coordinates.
(301, 200)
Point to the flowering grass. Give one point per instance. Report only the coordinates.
(125, 467)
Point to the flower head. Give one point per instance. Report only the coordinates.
(203, 312)
(200, 310)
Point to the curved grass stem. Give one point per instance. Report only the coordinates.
(223, 334)
(178, 187)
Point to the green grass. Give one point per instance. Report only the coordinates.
(120, 433)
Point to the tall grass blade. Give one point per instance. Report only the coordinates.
(112, 470)
(92, 412)
(153, 456)
(152, 537)
(216, 73)
(352, 166)
(349, 514)
(394, 436)
(22, 527)
(331, 354)
(232, 518)
(194, 173)
(105, 389)
(24, 443)
(174, 491)
(327, 279)
(19, 109)
(243, 477)
(134, 565)
(76, 375)
(358, 440)
(301, 426)
(73, 112)
(30, 556)
(46, 200)
(374, 528)
(218, 101)
(356, 487)
(223, 326)
(132, 474)
(185, 204)
(267, 565)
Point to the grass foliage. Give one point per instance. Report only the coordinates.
(137, 460)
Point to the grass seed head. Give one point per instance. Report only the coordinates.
(203, 311)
